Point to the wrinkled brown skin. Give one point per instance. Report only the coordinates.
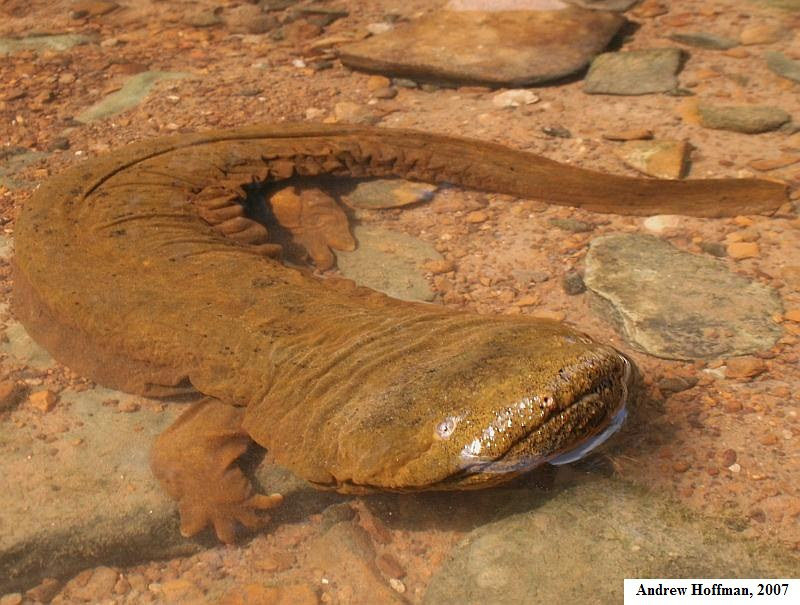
(138, 270)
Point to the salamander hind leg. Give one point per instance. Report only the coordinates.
(195, 460)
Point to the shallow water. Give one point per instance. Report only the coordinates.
(702, 480)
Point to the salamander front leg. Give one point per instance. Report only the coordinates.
(195, 460)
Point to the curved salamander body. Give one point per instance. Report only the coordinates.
(124, 271)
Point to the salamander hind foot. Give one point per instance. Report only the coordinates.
(195, 460)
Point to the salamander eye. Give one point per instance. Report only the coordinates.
(446, 427)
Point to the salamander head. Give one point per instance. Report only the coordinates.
(489, 408)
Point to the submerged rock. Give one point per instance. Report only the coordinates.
(578, 545)
(783, 66)
(678, 305)
(742, 118)
(389, 193)
(704, 40)
(635, 72)
(55, 42)
(503, 48)
(390, 262)
(131, 93)
(661, 158)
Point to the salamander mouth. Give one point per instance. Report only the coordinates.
(566, 436)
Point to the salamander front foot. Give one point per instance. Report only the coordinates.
(195, 460)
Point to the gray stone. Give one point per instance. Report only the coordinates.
(131, 93)
(56, 42)
(389, 193)
(678, 305)
(704, 40)
(783, 66)
(507, 48)
(742, 118)
(635, 72)
(573, 283)
(577, 547)
(571, 224)
(390, 262)
(11, 164)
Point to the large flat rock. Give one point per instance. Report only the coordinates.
(502, 48)
(578, 545)
(678, 305)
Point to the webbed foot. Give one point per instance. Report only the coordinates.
(195, 462)
(316, 222)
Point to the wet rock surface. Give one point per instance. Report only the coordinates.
(678, 305)
(635, 72)
(131, 93)
(745, 119)
(493, 48)
(557, 550)
(783, 65)
(390, 262)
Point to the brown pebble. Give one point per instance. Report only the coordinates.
(529, 300)
(44, 401)
(44, 591)
(390, 566)
(443, 265)
(771, 164)
(681, 466)
(377, 82)
(740, 250)
(769, 439)
(732, 406)
(476, 216)
(728, 457)
(650, 8)
(388, 92)
(12, 598)
(745, 367)
(129, 406)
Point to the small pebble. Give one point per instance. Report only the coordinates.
(439, 266)
(397, 585)
(556, 131)
(377, 82)
(515, 98)
(476, 216)
(661, 222)
(745, 367)
(728, 457)
(714, 249)
(742, 250)
(573, 283)
(43, 401)
(388, 92)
